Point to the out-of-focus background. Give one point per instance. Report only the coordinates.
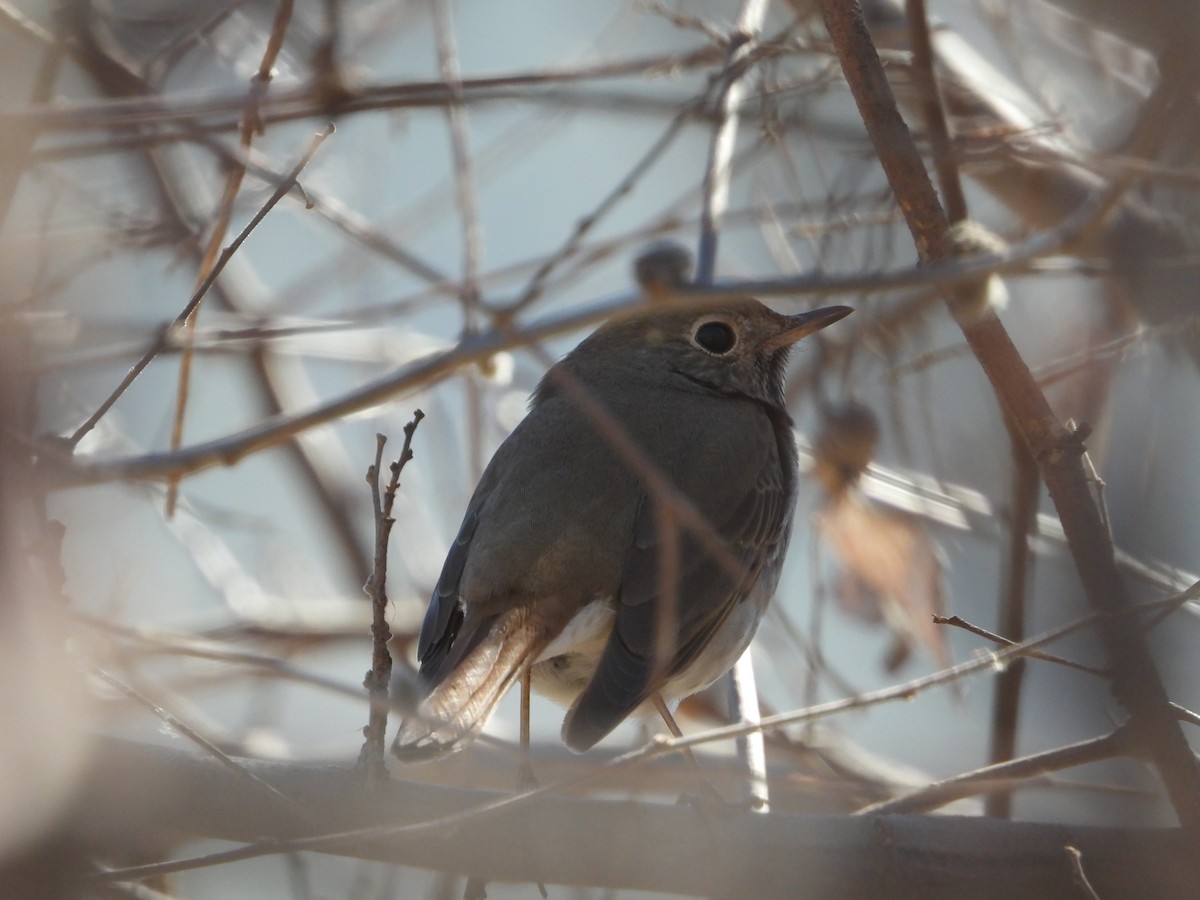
(495, 166)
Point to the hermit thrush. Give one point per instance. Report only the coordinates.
(560, 562)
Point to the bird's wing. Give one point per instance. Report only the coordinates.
(530, 552)
(743, 489)
(438, 649)
(469, 658)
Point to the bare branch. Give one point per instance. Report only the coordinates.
(280, 192)
(646, 847)
(1135, 679)
(227, 451)
(1005, 777)
(371, 757)
(250, 125)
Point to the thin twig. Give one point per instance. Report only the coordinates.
(466, 194)
(934, 112)
(533, 290)
(250, 125)
(198, 648)
(222, 113)
(910, 689)
(371, 756)
(1174, 603)
(1004, 777)
(198, 294)
(959, 622)
(467, 200)
(715, 191)
(664, 713)
(1006, 697)
(1186, 715)
(229, 763)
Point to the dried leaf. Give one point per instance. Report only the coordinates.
(891, 572)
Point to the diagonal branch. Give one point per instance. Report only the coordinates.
(1136, 681)
(249, 126)
(201, 290)
(1004, 777)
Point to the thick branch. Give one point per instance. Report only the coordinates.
(1136, 682)
(143, 792)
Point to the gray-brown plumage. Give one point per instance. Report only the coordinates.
(557, 563)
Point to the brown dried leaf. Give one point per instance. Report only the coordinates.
(891, 572)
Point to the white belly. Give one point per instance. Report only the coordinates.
(567, 664)
(565, 667)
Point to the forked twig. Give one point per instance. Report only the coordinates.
(371, 757)
(959, 622)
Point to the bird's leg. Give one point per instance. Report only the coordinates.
(672, 726)
(477, 887)
(526, 780)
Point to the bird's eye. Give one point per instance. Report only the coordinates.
(715, 337)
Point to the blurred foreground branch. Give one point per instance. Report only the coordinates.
(137, 793)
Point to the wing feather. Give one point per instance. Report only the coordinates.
(752, 521)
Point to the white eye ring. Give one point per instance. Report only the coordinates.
(715, 337)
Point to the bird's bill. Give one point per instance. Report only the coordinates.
(803, 324)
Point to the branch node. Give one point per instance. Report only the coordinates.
(1069, 444)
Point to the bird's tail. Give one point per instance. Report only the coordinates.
(458, 706)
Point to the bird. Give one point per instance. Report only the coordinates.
(577, 566)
